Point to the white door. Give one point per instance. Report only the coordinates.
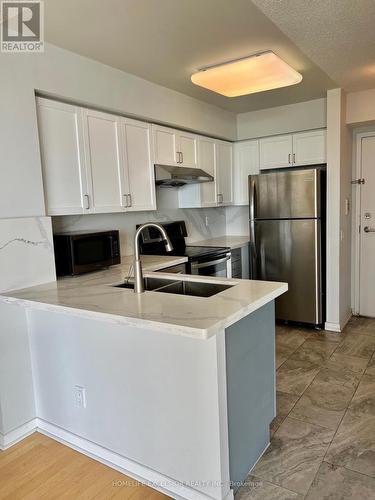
(367, 234)
(166, 146)
(276, 152)
(246, 162)
(138, 165)
(309, 148)
(224, 172)
(103, 152)
(207, 162)
(63, 162)
(188, 147)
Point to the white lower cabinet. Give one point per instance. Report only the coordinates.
(94, 162)
(215, 158)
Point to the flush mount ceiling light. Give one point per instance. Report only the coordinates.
(257, 73)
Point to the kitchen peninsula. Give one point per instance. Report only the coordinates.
(193, 375)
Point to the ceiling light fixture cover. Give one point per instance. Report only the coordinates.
(256, 73)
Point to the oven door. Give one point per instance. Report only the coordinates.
(219, 265)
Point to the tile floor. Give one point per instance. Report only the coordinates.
(323, 437)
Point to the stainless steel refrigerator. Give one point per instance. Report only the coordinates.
(287, 236)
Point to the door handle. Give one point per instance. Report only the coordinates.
(369, 229)
(182, 157)
(289, 159)
(125, 196)
(130, 200)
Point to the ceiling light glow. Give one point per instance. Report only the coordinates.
(257, 73)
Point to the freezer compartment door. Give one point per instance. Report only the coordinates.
(290, 251)
(285, 195)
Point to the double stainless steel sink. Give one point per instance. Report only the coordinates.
(179, 287)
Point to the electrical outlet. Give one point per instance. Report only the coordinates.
(206, 221)
(79, 396)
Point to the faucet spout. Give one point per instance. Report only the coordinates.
(138, 274)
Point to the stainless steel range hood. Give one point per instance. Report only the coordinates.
(168, 176)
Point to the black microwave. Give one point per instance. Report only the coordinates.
(84, 251)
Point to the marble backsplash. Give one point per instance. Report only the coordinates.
(26, 252)
(195, 220)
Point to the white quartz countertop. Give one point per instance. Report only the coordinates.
(224, 241)
(93, 296)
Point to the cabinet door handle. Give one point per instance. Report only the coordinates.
(125, 196)
(289, 159)
(182, 157)
(87, 200)
(178, 157)
(130, 200)
(220, 198)
(294, 158)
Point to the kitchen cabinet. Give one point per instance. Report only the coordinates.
(104, 162)
(292, 150)
(215, 158)
(94, 162)
(246, 162)
(309, 148)
(138, 165)
(62, 156)
(276, 152)
(175, 147)
(224, 173)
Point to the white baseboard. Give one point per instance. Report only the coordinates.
(128, 467)
(332, 327)
(338, 327)
(10, 438)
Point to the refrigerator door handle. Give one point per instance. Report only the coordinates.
(252, 198)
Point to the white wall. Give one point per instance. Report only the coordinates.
(64, 74)
(16, 387)
(282, 119)
(360, 107)
(338, 224)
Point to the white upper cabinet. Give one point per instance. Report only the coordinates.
(224, 173)
(309, 148)
(63, 162)
(246, 162)
(293, 150)
(203, 194)
(138, 165)
(104, 158)
(165, 145)
(188, 149)
(94, 162)
(207, 162)
(175, 147)
(276, 152)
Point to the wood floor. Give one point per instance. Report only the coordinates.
(40, 468)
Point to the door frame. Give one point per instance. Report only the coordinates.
(356, 218)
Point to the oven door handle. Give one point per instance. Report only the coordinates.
(211, 263)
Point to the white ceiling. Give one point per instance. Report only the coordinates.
(338, 35)
(165, 41)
